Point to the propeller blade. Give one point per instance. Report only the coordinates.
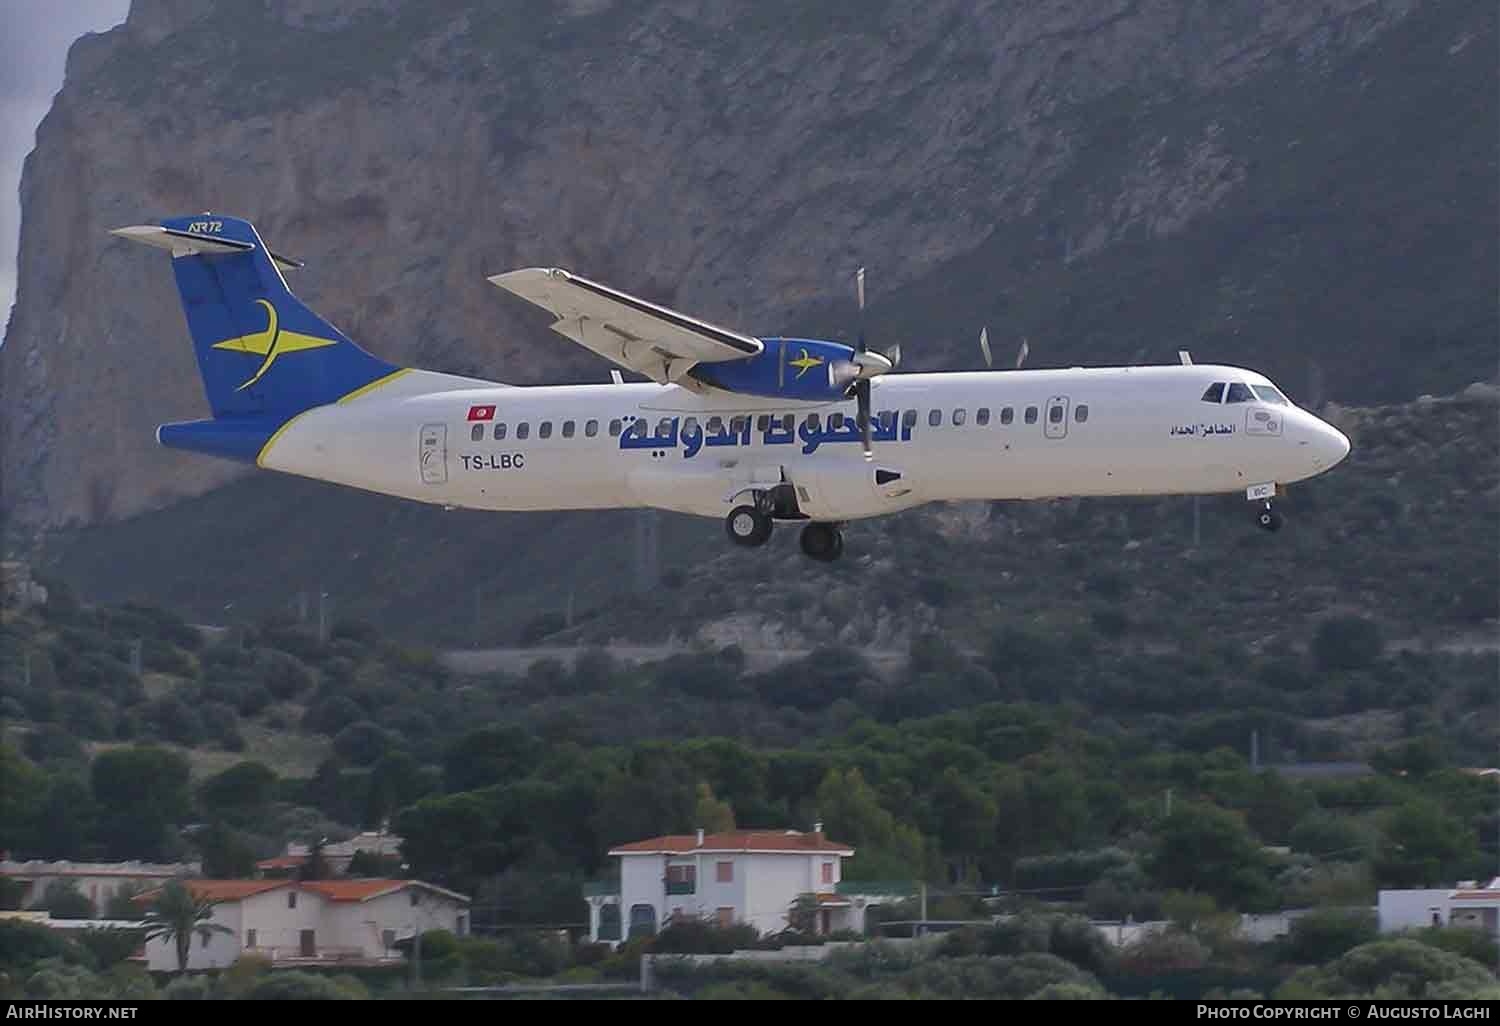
(1022, 353)
(984, 346)
(859, 281)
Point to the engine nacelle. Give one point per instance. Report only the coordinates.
(788, 368)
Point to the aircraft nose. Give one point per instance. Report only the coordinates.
(1329, 444)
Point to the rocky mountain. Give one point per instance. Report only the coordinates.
(1308, 188)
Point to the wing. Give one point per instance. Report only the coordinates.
(640, 336)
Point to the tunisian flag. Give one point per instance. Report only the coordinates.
(481, 413)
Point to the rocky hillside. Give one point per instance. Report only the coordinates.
(1306, 188)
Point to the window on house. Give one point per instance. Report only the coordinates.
(828, 872)
(416, 899)
(388, 938)
(250, 939)
(725, 872)
(291, 899)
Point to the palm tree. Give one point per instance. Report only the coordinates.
(176, 914)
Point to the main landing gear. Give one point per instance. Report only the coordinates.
(751, 525)
(823, 542)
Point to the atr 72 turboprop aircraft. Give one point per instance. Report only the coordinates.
(757, 431)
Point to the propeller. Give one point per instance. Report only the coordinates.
(862, 383)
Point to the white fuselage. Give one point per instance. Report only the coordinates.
(950, 436)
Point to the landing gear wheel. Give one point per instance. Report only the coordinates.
(747, 526)
(1267, 518)
(823, 542)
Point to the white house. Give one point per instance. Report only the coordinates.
(1468, 905)
(294, 922)
(338, 855)
(744, 876)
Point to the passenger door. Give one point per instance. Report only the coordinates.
(433, 453)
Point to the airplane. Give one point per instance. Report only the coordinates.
(759, 431)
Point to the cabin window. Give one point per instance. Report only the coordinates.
(1031, 414)
(689, 426)
(499, 432)
(934, 418)
(737, 425)
(1215, 393)
(615, 427)
(887, 420)
(1238, 393)
(715, 425)
(1270, 395)
(476, 433)
(291, 899)
(835, 421)
(1055, 413)
(523, 429)
(724, 872)
(1007, 415)
(909, 419)
(1081, 414)
(591, 428)
(959, 416)
(663, 427)
(545, 431)
(814, 422)
(982, 416)
(763, 422)
(568, 429)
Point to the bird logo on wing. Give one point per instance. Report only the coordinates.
(805, 363)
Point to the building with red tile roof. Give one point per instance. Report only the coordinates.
(312, 922)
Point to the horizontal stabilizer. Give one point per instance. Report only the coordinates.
(180, 243)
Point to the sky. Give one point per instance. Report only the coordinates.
(34, 40)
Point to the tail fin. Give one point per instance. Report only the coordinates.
(261, 352)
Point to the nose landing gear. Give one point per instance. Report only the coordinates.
(748, 526)
(1268, 518)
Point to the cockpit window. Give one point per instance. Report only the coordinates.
(1238, 393)
(1268, 394)
(1215, 393)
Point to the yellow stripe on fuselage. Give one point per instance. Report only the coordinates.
(260, 458)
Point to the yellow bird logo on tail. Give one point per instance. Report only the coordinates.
(271, 343)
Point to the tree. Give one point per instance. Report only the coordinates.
(140, 792)
(316, 866)
(1207, 849)
(1423, 846)
(177, 915)
(714, 816)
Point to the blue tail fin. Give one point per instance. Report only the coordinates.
(263, 355)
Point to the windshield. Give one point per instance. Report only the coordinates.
(1268, 394)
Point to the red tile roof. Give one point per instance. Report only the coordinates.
(221, 890)
(790, 841)
(332, 890)
(282, 862)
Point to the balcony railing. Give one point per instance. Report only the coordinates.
(601, 889)
(682, 886)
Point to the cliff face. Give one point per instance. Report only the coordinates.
(1257, 180)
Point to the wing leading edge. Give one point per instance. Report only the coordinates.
(643, 337)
